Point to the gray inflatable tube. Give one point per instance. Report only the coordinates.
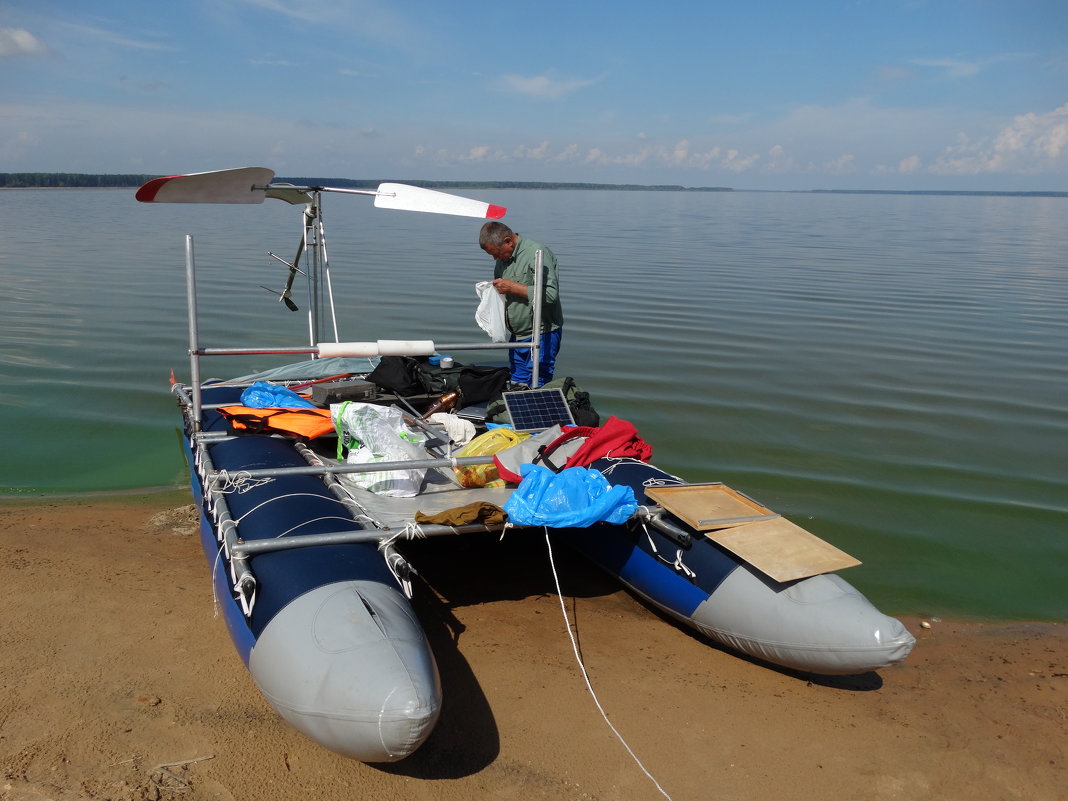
(820, 624)
(348, 665)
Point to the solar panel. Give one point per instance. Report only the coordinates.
(538, 409)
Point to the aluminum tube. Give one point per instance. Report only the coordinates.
(191, 306)
(535, 330)
(224, 524)
(369, 467)
(244, 549)
(315, 351)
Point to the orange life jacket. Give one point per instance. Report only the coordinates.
(305, 423)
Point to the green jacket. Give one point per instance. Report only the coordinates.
(519, 312)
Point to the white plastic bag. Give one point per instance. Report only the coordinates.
(378, 434)
(490, 312)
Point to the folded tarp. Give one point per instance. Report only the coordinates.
(573, 498)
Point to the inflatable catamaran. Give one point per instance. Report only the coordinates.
(306, 545)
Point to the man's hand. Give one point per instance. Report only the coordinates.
(506, 286)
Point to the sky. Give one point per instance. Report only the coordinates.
(958, 95)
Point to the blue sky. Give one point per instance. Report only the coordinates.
(759, 94)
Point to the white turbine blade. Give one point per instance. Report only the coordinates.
(414, 198)
(220, 186)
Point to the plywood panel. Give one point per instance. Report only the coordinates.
(767, 541)
(708, 506)
(782, 550)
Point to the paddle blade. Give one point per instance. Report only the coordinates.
(414, 198)
(221, 186)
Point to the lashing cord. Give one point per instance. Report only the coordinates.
(585, 675)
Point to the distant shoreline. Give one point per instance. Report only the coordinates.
(43, 180)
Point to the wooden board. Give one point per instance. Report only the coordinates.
(767, 541)
(783, 550)
(708, 506)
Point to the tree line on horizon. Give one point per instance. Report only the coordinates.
(70, 180)
(78, 180)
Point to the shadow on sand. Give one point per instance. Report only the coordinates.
(477, 569)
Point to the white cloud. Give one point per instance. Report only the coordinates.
(19, 42)
(1032, 143)
(594, 156)
(842, 164)
(910, 164)
(372, 20)
(953, 67)
(736, 162)
(112, 38)
(704, 160)
(482, 153)
(569, 153)
(542, 86)
(678, 154)
(535, 153)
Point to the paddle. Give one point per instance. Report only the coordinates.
(253, 185)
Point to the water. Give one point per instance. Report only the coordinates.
(890, 371)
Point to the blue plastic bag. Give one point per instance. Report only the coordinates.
(573, 498)
(262, 395)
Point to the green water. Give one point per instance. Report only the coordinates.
(888, 371)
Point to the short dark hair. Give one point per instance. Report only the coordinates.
(493, 233)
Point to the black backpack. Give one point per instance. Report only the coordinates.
(398, 374)
(482, 383)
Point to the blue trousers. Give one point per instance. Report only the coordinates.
(522, 365)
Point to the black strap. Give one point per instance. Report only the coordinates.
(543, 458)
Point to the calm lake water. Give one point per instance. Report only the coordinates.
(891, 371)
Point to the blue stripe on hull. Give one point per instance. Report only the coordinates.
(619, 554)
(648, 561)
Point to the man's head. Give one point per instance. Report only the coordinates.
(498, 240)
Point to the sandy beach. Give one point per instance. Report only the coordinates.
(118, 682)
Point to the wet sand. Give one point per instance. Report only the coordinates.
(118, 682)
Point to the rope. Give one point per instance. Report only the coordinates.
(678, 564)
(411, 531)
(291, 529)
(586, 676)
(240, 482)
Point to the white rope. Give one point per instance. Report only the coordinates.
(291, 529)
(411, 531)
(678, 564)
(585, 675)
(263, 503)
(214, 591)
(239, 482)
(663, 482)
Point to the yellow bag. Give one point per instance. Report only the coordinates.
(493, 441)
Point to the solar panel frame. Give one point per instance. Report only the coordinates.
(538, 409)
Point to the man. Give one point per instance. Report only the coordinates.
(513, 277)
